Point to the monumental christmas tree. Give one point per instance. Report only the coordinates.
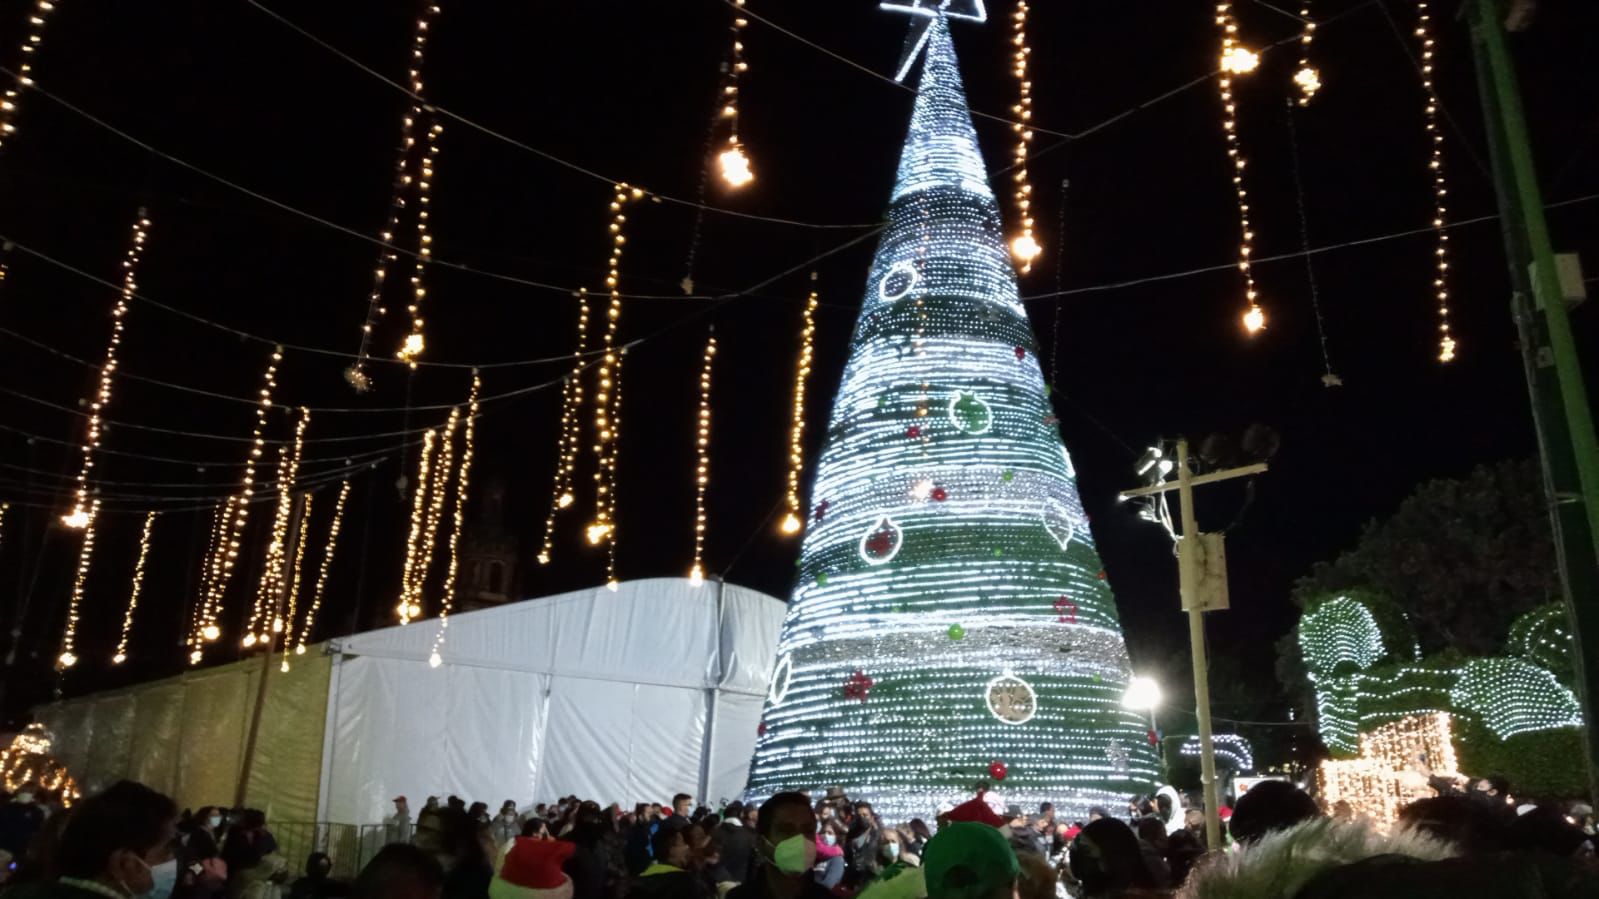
(951, 622)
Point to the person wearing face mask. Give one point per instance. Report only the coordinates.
(205, 830)
(117, 845)
(20, 819)
(786, 826)
(507, 825)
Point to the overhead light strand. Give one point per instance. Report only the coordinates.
(1306, 78)
(197, 637)
(135, 588)
(285, 624)
(733, 160)
(564, 492)
(794, 521)
(408, 609)
(702, 466)
(607, 398)
(264, 620)
(1238, 60)
(1024, 246)
(11, 104)
(69, 638)
(1440, 187)
(462, 482)
(320, 589)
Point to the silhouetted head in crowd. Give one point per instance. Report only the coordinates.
(670, 846)
(1183, 848)
(682, 804)
(1105, 858)
(1153, 832)
(400, 871)
(537, 828)
(1270, 805)
(1545, 829)
(1476, 827)
(122, 839)
(787, 829)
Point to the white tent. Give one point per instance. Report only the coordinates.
(636, 694)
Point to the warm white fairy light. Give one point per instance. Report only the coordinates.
(413, 344)
(1024, 246)
(320, 589)
(702, 467)
(134, 589)
(564, 491)
(408, 609)
(264, 620)
(1236, 60)
(285, 624)
(69, 639)
(1440, 189)
(79, 517)
(1306, 78)
(443, 460)
(611, 582)
(238, 513)
(734, 162)
(10, 105)
(200, 632)
(463, 479)
(795, 519)
(607, 400)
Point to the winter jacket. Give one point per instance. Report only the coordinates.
(736, 847)
(661, 881)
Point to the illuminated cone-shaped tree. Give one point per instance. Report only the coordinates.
(951, 622)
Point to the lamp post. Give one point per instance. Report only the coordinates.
(1143, 695)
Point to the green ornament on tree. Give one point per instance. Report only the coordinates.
(970, 414)
(821, 579)
(956, 632)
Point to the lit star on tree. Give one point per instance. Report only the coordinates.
(924, 12)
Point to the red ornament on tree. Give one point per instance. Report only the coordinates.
(821, 510)
(940, 494)
(1021, 353)
(1067, 610)
(1154, 740)
(760, 730)
(858, 685)
(998, 769)
(913, 431)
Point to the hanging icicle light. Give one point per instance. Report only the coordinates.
(1440, 188)
(413, 344)
(408, 609)
(463, 477)
(735, 165)
(607, 398)
(263, 620)
(1238, 60)
(437, 492)
(611, 583)
(702, 469)
(69, 638)
(794, 520)
(321, 586)
(563, 493)
(199, 631)
(285, 624)
(79, 518)
(1306, 78)
(1024, 246)
(10, 105)
(133, 591)
(734, 162)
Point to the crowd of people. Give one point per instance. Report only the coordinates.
(132, 842)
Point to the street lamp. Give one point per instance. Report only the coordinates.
(1143, 695)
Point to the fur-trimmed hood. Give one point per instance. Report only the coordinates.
(1279, 864)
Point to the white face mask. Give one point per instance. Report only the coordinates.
(163, 878)
(891, 850)
(24, 797)
(214, 821)
(830, 839)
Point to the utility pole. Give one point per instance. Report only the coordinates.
(1199, 557)
(290, 542)
(1567, 447)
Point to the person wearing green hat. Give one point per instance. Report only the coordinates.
(968, 860)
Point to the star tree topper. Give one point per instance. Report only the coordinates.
(925, 12)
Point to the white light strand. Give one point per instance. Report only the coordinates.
(265, 621)
(564, 492)
(702, 467)
(1238, 60)
(285, 623)
(78, 518)
(1306, 78)
(198, 632)
(413, 344)
(462, 483)
(238, 514)
(794, 521)
(408, 609)
(1440, 188)
(10, 106)
(611, 582)
(437, 492)
(134, 589)
(357, 374)
(321, 587)
(734, 162)
(69, 638)
(607, 402)
(1024, 247)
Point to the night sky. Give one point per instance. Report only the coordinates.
(1139, 247)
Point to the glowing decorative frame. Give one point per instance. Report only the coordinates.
(1056, 516)
(898, 268)
(899, 540)
(782, 679)
(954, 418)
(1002, 680)
(970, 10)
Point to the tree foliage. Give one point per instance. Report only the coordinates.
(1462, 558)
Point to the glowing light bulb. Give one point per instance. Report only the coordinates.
(613, 585)
(67, 660)
(566, 499)
(544, 558)
(696, 576)
(412, 347)
(249, 640)
(1309, 81)
(77, 519)
(597, 533)
(1254, 319)
(1025, 248)
(211, 632)
(118, 659)
(1238, 60)
(435, 660)
(735, 166)
(791, 523)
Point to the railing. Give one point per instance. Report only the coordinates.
(350, 846)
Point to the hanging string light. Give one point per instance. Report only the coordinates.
(133, 591)
(1024, 247)
(1306, 77)
(734, 162)
(1440, 189)
(264, 622)
(69, 639)
(9, 106)
(198, 631)
(285, 624)
(437, 491)
(607, 399)
(238, 512)
(1238, 60)
(611, 583)
(793, 521)
(4, 508)
(563, 493)
(321, 587)
(702, 469)
(408, 609)
(356, 374)
(463, 477)
(412, 346)
(78, 518)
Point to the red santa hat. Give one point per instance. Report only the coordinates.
(976, 810)
(532, 870)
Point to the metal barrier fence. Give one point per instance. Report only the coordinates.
(350, 846)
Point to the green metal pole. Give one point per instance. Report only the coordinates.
(1560, 410)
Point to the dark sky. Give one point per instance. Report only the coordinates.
(626, 89)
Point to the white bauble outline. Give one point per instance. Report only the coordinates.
(782, 674)
(956, 422)
(1065, 516)
(902, 266)
(877, 521)
(988, 703)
